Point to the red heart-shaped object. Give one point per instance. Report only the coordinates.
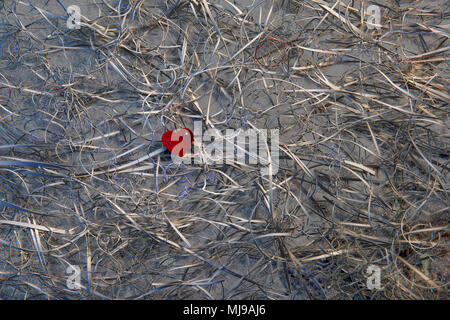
(184, 141)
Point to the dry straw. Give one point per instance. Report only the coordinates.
(363, 173)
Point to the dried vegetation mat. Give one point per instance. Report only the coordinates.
(363, 172)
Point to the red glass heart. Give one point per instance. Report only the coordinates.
(185, 139)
